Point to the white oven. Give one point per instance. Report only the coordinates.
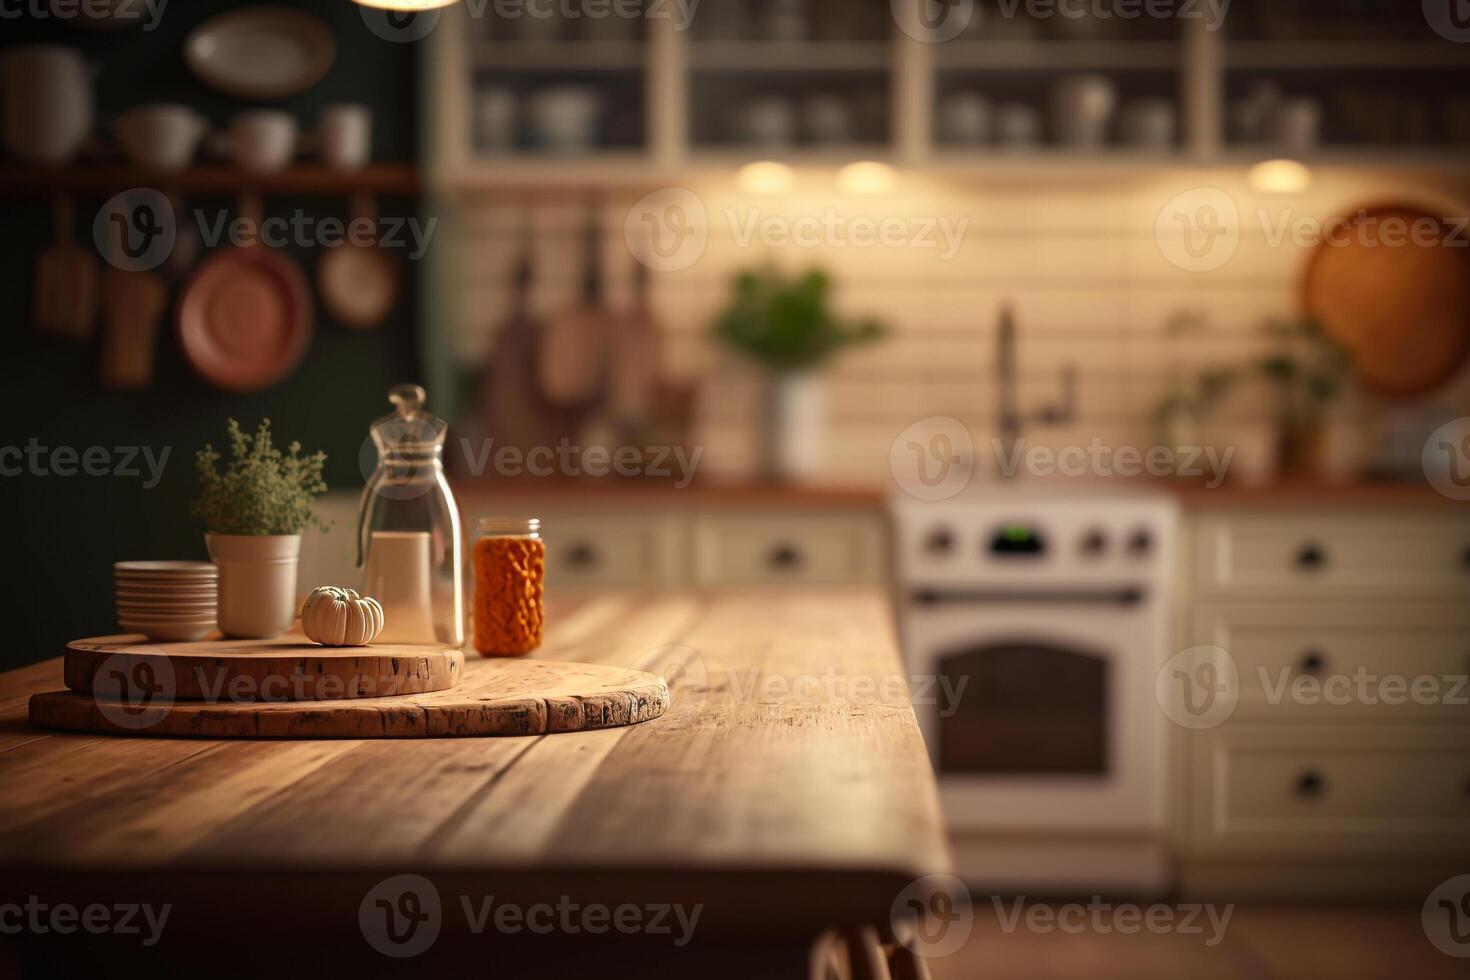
(1043, 618)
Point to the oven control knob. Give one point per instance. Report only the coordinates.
(940, 541)
(1094, 543)
(1140, 543)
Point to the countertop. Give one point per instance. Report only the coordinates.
(782, 806)
(1285, 492)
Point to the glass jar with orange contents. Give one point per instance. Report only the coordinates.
(510, 566)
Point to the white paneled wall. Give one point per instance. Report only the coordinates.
(1086, 269)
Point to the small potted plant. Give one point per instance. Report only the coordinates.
(786, 324)
(254, 510)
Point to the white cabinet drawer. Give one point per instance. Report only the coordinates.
(614, 549)
(756, 549)
(1306, 790)
(1333, 662)
(1302, 555)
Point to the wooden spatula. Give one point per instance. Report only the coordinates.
(572, 359)
(134, 305)
(66, 279)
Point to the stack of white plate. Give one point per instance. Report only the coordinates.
(167, 600)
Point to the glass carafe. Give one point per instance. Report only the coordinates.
(408, 539)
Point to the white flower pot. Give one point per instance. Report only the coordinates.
(795, 443)
(257, 582)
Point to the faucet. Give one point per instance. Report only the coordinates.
(1009, 416)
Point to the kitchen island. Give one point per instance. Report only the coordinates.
(786, 793)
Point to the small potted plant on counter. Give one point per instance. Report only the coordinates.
(254, 510)
(787, 325)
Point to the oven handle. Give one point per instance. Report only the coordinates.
(1126, 596)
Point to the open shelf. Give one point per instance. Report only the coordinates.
(1059, 55)
(551, 56)
(383, 178)
(1322, 55)
(692, 90)
(756, 56)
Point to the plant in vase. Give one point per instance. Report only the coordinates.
(786, 324)
(1308, 370)
(254, 510)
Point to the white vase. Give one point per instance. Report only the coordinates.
(795, 425)
(257, 582)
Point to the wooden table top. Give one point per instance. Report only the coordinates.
(789, 763)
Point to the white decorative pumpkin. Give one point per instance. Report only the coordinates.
(337, 617)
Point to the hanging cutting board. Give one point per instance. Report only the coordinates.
(1401, 305)
(495, 697)
(289, 668)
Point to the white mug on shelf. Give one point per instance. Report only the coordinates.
(767, 121)
(161, 137)
(1082, 106)
(495, 119)
(964, 118)
(1017, 125)
(564, 118)
(47, 91)
(1149, 124)
(827, 119)
(344, 135)
(259, 140)
(1297, 123)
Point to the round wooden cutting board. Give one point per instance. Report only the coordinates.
(494, 697)
(289, 668)
(1393, 287)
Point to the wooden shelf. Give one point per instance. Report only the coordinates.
(1319, 55)
(526, 171)
(1059, 55)
(678, 69)
(759, 56)
(570, 56)
(383, 178)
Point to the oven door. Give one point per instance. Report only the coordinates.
(1041, 711)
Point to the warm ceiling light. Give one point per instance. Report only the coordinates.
(867, 177)
(406, 4)
(765, 177)
(1280, 177)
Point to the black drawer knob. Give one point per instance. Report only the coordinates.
(940, 541)
(1311, 557)
(1465, 558)
(1310, 784)
(582, 555)
(1313, 661)
(784, 557)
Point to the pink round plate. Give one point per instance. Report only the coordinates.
(245, 318)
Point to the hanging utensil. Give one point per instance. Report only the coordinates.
(635, 359)
(245, 316)
(66, 279)
(134, 303)
(515, 411)
(572, 360)
(1402, 311)
(180, 261)
(358, 281)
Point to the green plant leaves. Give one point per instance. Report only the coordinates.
(261, 490)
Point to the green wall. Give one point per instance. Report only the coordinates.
(64, 533)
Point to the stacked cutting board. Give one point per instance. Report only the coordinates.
(291, 688)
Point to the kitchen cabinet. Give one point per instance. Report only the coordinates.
(661, 537)
(1344, 766)
(679, 92)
